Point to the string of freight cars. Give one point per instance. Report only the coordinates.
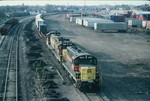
(80, 65)
(8, 26)
(114, 23)
(118, 22)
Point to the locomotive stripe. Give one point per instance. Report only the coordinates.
(68, 58)
(75, 67)
(59, 51)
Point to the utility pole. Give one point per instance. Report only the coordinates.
(114, 4)
(84, 4)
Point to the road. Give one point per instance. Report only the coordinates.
(124, 58)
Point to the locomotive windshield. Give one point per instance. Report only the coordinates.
(85, 60)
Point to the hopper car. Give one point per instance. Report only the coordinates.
(8, 25)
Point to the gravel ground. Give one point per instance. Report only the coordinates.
(124, 58)
(3, 56)
(35, 82)
(36, 49)
(3, 62)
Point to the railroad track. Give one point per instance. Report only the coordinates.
(10, 92)
(89, 96)
(93, 97)
(62, 73)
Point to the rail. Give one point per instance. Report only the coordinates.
(83, 96)
(94, 97)
(12, 68)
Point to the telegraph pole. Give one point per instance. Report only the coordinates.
(84, 4)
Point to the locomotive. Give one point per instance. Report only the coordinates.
(80, 65)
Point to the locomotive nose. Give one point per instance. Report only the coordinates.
(88, 73)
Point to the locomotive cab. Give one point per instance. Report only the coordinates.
(86, 64)
(87, 75)
(48, 36)
(84, 67)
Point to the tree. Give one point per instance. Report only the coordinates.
(49, 8)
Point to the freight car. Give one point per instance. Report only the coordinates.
(40, 24)
(5, 29)
(8, 25)
(81, 66)
(117, 18)
(107, 26)
(135, 23)
(12, 22)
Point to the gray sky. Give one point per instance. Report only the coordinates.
(72, 2)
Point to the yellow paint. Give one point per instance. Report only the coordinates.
(64, 54)
(88, 73)
(53, 42)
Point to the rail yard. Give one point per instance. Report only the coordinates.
(66, 56)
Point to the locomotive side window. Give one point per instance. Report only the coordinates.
(94, 61)
(60, 47)
(76, 62)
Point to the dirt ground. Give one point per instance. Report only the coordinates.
(44, 83)
(38, 77)
(123, 58)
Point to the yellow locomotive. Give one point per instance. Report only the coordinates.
(81, 66)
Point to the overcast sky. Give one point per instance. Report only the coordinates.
(72, 2)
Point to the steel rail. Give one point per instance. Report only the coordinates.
(91, 97)
(15, 35)
(17, 62)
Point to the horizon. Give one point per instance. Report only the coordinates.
(73, 2)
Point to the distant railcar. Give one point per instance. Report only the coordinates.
(117, 18)
(8, 25)
(12, 22)
(40, 24)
